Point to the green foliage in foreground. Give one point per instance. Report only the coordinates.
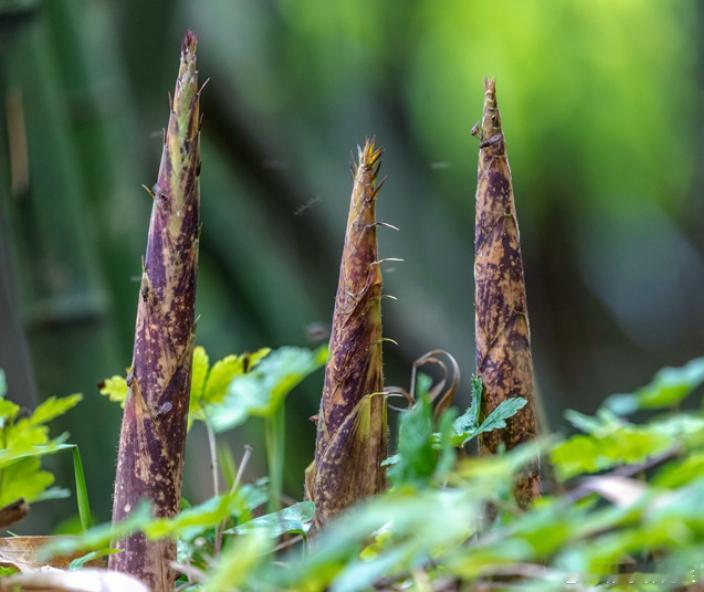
(625, 493)
(24, 439)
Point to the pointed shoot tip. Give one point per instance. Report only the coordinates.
(491, 119)
(370, 155)
(190, 42)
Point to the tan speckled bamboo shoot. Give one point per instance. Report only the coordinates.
(503, 350)
(352, 428)
(152, 440)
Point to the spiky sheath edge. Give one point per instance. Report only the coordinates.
(352, 429)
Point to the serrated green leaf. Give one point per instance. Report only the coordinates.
(295, 519)
(469, 420)
(25, 450)
(24, 479)
(587, 454)
(262, 391)
(496, 420)
(22, 434)
(211, 383)
(668, 388)
(54, 407)
(24, 442)
(225, 370)
(208, 384)
(8, 411)
(115, 389)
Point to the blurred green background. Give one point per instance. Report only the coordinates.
(601, 103)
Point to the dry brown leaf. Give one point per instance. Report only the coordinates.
(21, 552)
(82, 580)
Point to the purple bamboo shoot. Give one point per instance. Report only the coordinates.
(352, 428)
(152, 439)
(502, 331)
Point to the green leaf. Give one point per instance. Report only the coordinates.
(53, 493)
(24, 450)
(588, 454)
(54, 407)
(225, 370)
(195, 520)
(416, 456)
(496, 420)
(24, 479)
(24, 442)
(199, 373)
(209, 385)
(99, 536)
(115, 389)
(469, 420)
(80, 562)
(668, 388)
(3, 383)
(358, 576)
(681, 472)
(585, 423)
(426, 519)
(238, 561)
(446, 455)
(424, 383)
(261, 392)
(295, 519)
(423, 456)
(8, 411)
(490, 473)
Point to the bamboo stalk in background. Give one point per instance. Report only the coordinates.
(152, 440)
(49, 235)
(352, 428)
(502, 332)
(102, 127)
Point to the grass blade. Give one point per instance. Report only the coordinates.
(82, 501)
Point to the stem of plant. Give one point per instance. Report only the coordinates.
(238, 479)
(212, 445)
(275, 435)
(243, 465)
